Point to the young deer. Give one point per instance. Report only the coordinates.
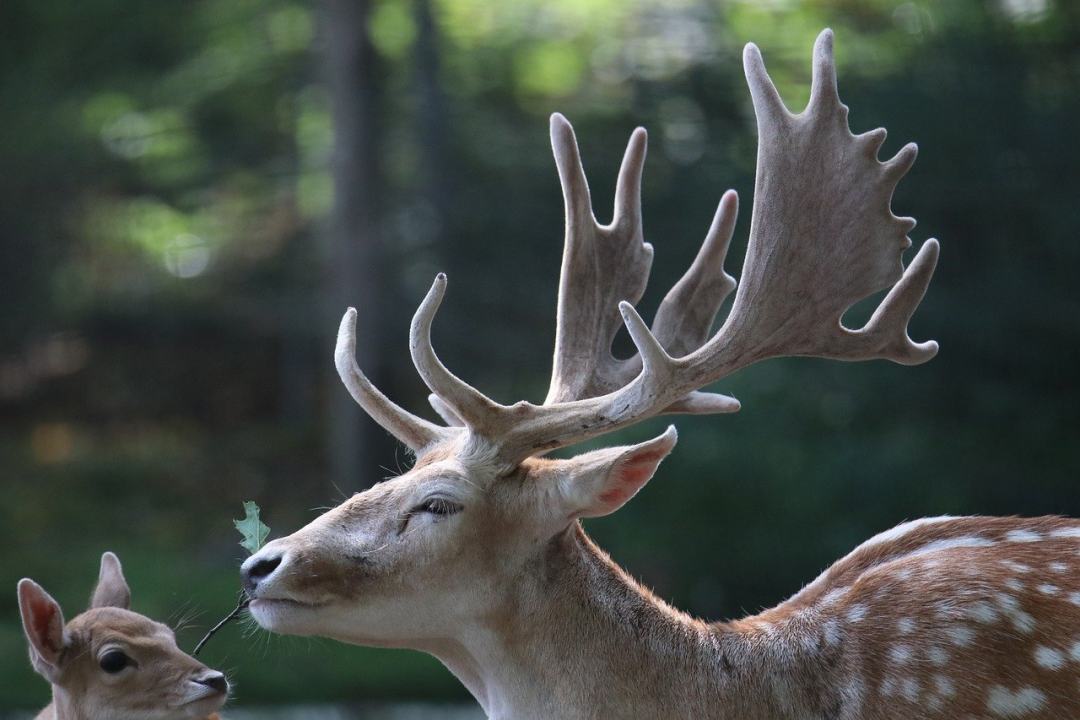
(476, 555)
(112, 664)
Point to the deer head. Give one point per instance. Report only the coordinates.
(109, 662)
(443, 549)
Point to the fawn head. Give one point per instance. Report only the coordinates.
(445, 543)
(109, 662)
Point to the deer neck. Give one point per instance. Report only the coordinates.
(61, 708)
(578, 638)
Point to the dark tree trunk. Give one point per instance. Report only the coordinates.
(432, 119)
(352, 250)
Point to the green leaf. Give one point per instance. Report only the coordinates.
(252, 528)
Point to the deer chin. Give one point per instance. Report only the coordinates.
(203, 706)
(285, 615)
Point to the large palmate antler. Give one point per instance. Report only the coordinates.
(822, 238)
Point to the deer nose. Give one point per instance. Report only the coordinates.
(257, 569)
(215, 681)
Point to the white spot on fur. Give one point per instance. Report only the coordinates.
(831, 633)
(967, 541)
(1074, 598)
(856, 613)
(944, 686)
(1074, 651)
(982, 612)
(1005, 703)
(833, 595)
(1069, 532)
(900, 654)
(1049, 658)
(1023, 622)
(1058, 567)
(853, 693)
(1023, 536)
(1008, 603)
(905, 626)
(888, 687)
(903, 529)
(1014, 585)
(909, 688)
(937, 656)
(960, 635)
(1048, 589)
(1016, 566)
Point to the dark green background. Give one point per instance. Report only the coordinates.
(166, 320)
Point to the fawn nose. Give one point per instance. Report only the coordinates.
(257, 569)
(214, 680)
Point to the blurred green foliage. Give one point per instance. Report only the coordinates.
(164, 346)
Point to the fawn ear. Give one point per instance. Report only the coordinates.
(112, 589)
(43, 623)
(600, 482)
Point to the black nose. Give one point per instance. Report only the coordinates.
(215, 681)
(259, 571)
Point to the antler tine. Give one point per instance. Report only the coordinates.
(475, 409)
(628, 185)
(414, 432)
(885, 335)
(575, 187)
(768, 107)
(446, 412)
(823, 79)
(655, 362)
(686, 315)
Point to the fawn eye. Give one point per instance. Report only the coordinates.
(437, 506)
(114, 661)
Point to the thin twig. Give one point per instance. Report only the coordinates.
(242, 601)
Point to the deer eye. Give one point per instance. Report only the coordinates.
(437, 506)
(114, 661)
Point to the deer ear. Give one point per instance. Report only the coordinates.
(600, 482)
(112, 589)
(43, 623)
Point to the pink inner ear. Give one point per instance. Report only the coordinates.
(629, 475)
(42, 618)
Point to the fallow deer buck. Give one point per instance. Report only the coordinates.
(476, 555)
(109, 663)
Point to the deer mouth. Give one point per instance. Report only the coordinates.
(205, 704)
(262, 603)
(278, 613)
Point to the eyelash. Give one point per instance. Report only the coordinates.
(438, 507)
